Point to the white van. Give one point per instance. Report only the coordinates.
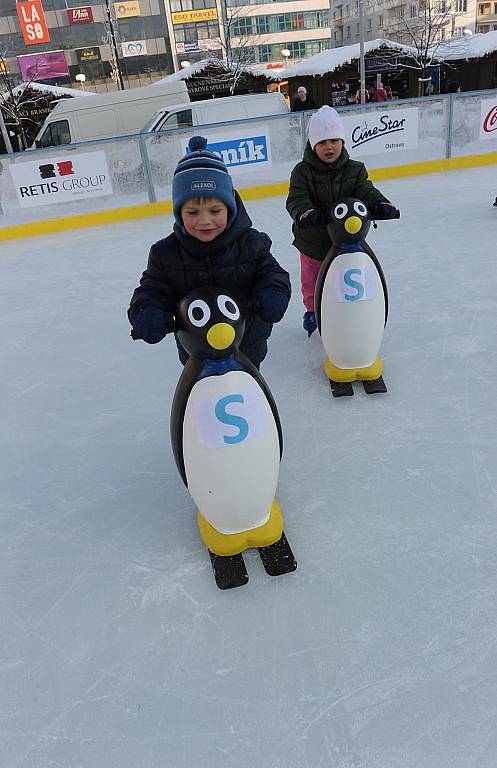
(108, 114)
(219, 110)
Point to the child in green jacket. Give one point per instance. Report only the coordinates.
(325, 175)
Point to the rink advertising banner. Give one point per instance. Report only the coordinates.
(127, 9)
(240, 153)
(134, 48)
(203, 14)
(488, 122)
(33, 23)
(382, 131)
(80, 15)
(43, 66)
(61, 179)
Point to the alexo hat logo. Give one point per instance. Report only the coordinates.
(200, 186)
(61, 179)
(381, 131)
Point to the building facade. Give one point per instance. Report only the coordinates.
(398, 20)
(82, 42)
(486, 19)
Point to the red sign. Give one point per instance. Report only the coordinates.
(33, 24)
(490, 122)
(80, 15)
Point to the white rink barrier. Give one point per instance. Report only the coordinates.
(116, 179)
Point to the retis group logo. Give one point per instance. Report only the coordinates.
(51, 171)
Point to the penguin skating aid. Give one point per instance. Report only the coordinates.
(227, 440)
(351, 302)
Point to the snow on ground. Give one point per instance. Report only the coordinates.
(118, 650)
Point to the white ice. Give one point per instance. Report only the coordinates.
(380, 651)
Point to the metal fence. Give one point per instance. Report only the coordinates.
(79, 179)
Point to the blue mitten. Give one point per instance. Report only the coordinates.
(272, 304)
(151, 324)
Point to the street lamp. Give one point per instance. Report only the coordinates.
(80, 78)
(286, 53)
(184, 64)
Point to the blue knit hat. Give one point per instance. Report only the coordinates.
(201, 173)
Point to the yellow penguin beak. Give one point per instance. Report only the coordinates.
(221, 336)
(353, 225)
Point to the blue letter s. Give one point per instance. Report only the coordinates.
(234, 421)
(347, 279)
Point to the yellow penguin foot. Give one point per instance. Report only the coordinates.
(342, 375)
(225, 545)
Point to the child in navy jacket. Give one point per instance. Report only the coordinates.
(213, 244)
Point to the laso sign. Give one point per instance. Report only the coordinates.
(33, 23)
(377, 132)
(488, 122)
(61, 179)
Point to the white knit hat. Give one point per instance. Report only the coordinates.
(326, 123)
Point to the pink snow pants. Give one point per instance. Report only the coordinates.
(309, 270)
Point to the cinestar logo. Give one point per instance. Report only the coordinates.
(363, 133)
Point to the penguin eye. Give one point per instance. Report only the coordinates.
(199, 313)
(228, 307)
(341, 211)
(360, 208)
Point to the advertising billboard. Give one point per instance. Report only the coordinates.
(186, 17)
(33, 23)
(127, 9)
(43, 66)
(134, 48)
(82, 15)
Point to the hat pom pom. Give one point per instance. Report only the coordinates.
(197, 144)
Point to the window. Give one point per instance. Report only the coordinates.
(414, 11)
(485, 9)
(380, 21)
(55, 134)
(176, 120)
(242, 26)
(461, 6)
(370, 25)
(262, 25)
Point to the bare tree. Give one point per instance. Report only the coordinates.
(423, 32)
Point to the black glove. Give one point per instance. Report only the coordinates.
(271, 304)
(309, 218)
(382, 210)
(151, 323)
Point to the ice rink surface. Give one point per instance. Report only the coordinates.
(380, 651)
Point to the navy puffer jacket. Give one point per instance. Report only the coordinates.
(239, 261)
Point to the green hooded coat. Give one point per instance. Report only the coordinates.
(314, 184)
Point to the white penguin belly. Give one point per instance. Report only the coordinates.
(352, 311)
(231, 451)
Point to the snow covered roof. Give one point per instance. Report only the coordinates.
(471, 47)
(48, 89)
(329, 61)
(199, 66)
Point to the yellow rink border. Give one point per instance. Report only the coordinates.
(250, 193)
